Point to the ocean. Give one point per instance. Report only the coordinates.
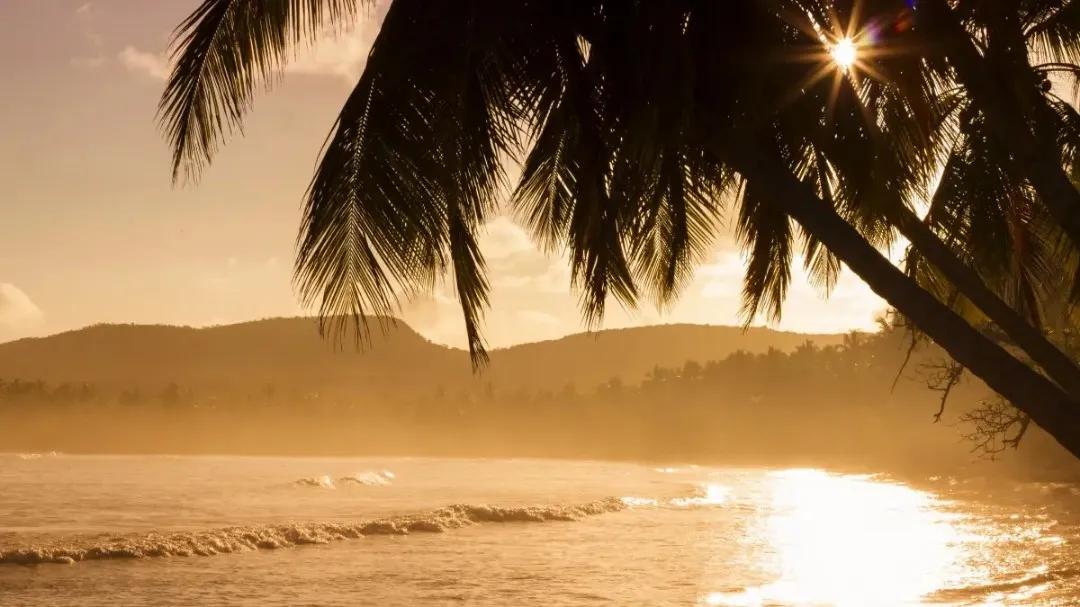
(163, 530)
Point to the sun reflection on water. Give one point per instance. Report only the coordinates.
(850, 541)
(713, 494)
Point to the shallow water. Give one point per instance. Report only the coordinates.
(394, 531)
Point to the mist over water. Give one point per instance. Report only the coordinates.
(160, 530)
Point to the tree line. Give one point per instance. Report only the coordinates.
(859, 402)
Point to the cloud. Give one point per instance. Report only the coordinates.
(91, 58)
(341, 54)
(516, 263)
(850, 305)
(722, 279)
(19, 315)
(154, 65)
(503, 238)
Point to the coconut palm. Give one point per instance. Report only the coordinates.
(986, 46)
(631, 121)
(991, 218)
(894, 53)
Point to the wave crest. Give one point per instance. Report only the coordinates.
(242, 539)
(323, 481)
(30, 456)
(377, 478)
(703, 494)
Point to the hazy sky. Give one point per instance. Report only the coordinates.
(92, 230)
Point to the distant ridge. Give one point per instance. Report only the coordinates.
(291, 350)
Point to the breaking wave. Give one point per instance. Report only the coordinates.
(370, 479)
(379, 478)
(677, 469)
(268, 537)
(29, 456)
(704, 494)
(639, 502)
(323, 481)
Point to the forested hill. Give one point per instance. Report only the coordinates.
(685, 393)
(289, 354)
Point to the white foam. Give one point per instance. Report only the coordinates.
(707, 494)
(31, 456)
(638, 502)
(379, 478)
(677, 469)
(369, 478)
(324, 482)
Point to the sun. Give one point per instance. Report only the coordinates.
(844, 53)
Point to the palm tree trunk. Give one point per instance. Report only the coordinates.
(1054, 362)
(1029, 391)
(1039, 163)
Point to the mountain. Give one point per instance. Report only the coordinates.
(289, 351)
(587, 359)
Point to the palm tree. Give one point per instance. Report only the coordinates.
(633, 121)
(894, 54)
(892, 58)
(991, 219)
(1003, 86)
(1047, 405)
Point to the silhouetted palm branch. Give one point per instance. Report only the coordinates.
(625, 119)
(223, 52)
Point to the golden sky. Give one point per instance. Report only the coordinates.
(93, 231)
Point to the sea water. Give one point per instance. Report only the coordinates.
(161, 530)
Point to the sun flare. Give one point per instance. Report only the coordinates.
(844, 53)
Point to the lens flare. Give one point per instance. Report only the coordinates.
(844, 53)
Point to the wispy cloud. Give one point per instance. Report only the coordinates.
(84, 21)
(338, 53)
(516, 263)
(19, 315)
(851, 304)
(342, 54)
(154, 65)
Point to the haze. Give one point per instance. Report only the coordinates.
(635, 360)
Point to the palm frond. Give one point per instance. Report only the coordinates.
(564, 194)
(1056, 34)
(765, 232)
(413, 168)
(822, 266)
(222, 53)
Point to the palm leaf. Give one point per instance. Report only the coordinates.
(222, 53)
(765, 232)
(413, 166)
